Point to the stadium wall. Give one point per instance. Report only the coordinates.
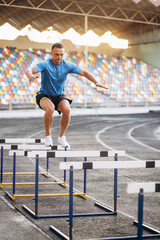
(151, 53)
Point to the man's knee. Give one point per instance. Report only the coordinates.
(47, 106)
(50, 110)
(66, 110)
(64, 107)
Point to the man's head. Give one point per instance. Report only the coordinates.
(57, 53)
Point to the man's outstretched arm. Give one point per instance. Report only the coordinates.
(90, 77)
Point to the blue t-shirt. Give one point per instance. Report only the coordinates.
(53, 76)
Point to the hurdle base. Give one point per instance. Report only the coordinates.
(83, 196)
(58, 233)
(147, 228)
(10, 196)
(105, 208)
(61, 184)
(46, 175)
(127, 237)
(30, 212)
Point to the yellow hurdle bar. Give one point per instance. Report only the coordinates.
(50, 195)
(33, 183)
(45, 195)
(27, 173)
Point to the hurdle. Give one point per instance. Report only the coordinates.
(111, 165)
(14, 195)
(85, 155)
(13, 141)
(73, 154)
(30, 147)
(148, 187)
(22, 140)
(54, 147)
(25, 147)
(139, 188)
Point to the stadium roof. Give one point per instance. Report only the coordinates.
(124, 18)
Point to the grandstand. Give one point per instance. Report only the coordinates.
(130, 80)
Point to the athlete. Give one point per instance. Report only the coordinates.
(51, 95)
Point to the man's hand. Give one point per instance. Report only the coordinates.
(32, 75)
(100, 85)
(33, 78)
(90, 77)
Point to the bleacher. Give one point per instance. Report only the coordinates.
(129, 80)
(14, 86)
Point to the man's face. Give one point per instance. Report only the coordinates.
(57, 55)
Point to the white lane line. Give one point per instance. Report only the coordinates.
(71, 124)
(139, 142)
(157, 132)
(107, 146)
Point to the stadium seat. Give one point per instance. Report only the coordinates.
(129, 80)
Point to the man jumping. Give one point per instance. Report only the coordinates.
(51, 95)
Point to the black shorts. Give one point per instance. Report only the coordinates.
(54, 99)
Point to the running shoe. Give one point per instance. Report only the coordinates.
(48, 141)
(62, 140)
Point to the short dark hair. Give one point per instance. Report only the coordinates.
(57, 45)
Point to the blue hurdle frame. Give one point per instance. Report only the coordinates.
(1, 185)
(140, 225)
(107, 210)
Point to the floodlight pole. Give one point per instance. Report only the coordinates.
(86, 53)
(86, 47)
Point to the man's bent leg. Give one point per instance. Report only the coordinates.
(49, 108)
(64, 107)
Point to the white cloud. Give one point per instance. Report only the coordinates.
(8, 32)
(113, 41)
(51, 36)
(155, 2)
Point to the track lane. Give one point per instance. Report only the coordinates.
(88, 128)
